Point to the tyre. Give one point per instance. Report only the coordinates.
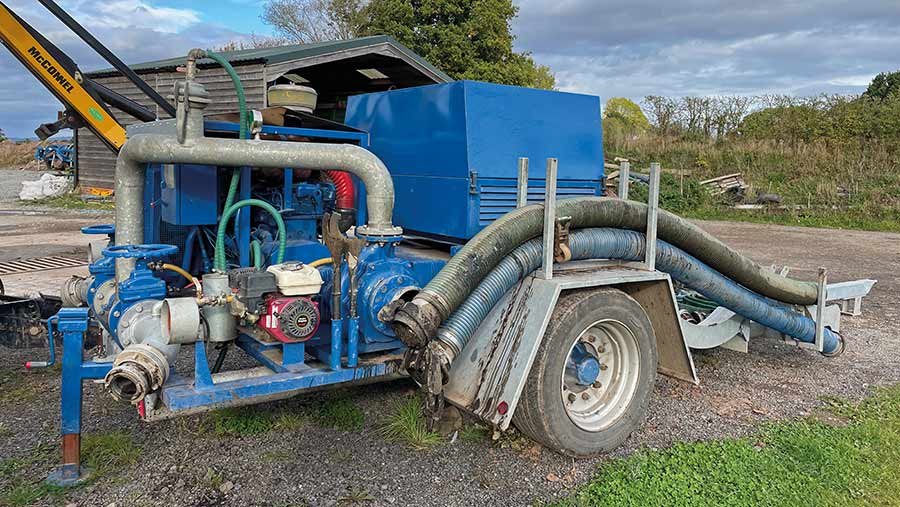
(593, 375)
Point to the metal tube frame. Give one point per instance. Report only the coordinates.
(624, 183)
(522, 187)
(549, 218)
(652, 216)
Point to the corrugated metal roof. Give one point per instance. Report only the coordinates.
(286, 54)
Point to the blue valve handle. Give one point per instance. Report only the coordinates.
(108, 229)
(146, 252)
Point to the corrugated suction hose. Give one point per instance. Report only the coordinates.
(417, 321)
(605, 243)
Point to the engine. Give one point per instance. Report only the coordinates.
(282, 301)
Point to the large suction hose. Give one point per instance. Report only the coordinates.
(418, 321)
(604, 243)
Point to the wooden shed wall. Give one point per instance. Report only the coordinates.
(96, 163)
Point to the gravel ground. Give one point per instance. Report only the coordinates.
(313, 465)
(11, 183)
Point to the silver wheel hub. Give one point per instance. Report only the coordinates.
(601, 375)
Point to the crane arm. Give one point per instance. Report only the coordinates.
(87, 103)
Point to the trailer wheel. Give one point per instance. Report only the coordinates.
(591, 380)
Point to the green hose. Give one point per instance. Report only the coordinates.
(223, 225)
(256, 254)
(243, 123)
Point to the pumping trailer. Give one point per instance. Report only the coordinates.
(414, 239)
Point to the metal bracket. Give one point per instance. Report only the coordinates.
(561, 251)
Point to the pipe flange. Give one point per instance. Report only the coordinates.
(375, 233)
(839, 349)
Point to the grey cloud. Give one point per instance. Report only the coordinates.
(24, 103)
(639, 47)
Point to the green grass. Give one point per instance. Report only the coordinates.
(848, 185)
(798, 463)
(338, 413)
(104, 454)
(407, 424)
(242, 421)
(73, 200)
(474, 433)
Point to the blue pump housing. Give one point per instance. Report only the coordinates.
(453, 150)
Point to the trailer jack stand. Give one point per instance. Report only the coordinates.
(73, 324)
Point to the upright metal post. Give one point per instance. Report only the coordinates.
(652, 213)
(522, 192)
(821, 297)
(624, 183)
(549, 218)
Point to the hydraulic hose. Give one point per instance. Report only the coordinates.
(604, 243)
(223, 224)
(417, 321)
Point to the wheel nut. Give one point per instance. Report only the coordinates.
(603, 367)
(585, 396)
(592, 338)
(597, 385)
(571, 397)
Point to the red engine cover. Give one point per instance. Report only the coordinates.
(290, 318)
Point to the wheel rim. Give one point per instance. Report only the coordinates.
(601, 374)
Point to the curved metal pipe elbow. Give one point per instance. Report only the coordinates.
(163, 149)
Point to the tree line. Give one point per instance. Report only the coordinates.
(875, 114)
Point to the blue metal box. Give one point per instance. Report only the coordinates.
(189, 195)
(453, 149)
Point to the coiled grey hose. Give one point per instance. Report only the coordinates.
(418, 321)
(605, 243)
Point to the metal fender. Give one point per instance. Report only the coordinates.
(490, 373)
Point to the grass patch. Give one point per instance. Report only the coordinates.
(407, 424)
(108, 452)
(848, 185)
(340, 414)
(20, 490)
(242, 421)
(474, 433)
(74, 200)
(27, 493)
(798, 463)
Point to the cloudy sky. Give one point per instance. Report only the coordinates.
(610, 48)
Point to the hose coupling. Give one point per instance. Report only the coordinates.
(137, 371)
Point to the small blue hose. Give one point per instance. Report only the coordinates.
(606, 243)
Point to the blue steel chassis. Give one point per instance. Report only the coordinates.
(289, 374)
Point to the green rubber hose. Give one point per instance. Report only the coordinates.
(243, 126)
(223, 225)
(256, 254)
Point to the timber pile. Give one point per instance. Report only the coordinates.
(728, 183)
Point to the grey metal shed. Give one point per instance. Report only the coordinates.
(336, 69)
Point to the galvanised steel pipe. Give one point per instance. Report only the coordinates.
(417, 321)
(142, 149)
(605, 243)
